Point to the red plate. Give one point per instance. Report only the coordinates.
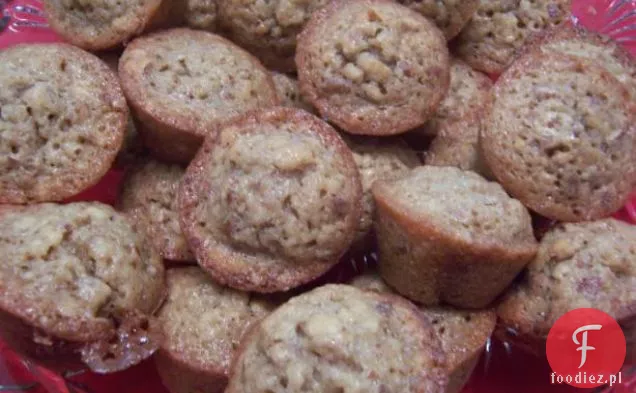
(501, 370)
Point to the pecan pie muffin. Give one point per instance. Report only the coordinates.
(77, 286)
(182, 84)
(463, 334)
(131, 147)
(105, 24)
(581, 265)
(272, 202)
(289, 92)
(149, 196)
(360, 64)
(450, 236)
(457, 144)
(449, 15)
(469, 90)
(601, 50)
(560, 136)
(202, 14)
(62, 122)
(338, 338)
(268, 29)
(377, 159)
(203, 323)
(499, 29)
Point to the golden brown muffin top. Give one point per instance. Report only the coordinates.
(340, 338)
(272, 201)
(203, 322)
(458, 204)
(149, 196)
(193, 80)
(62, 122)
(449, 15)
(500, 28)
(360, 64)
(560, 135)
(589, 264)
(98, 25)
(82, 263)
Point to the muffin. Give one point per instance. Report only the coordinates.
(560, 136)
(338, 338)
(131, 146)
(289, 93)
(580, 42)
(449, 15)
(62, 122)
(360, 64)
(463, 334)
(377, 159)
(102, 25)
(457, 145)
(201, 14)
(149, 197)
(272, 202)
(268, 29)
(203, 324)
(81, 290)
(500, 28)
(450, 236)
(581, 265)
(468, 91)
(183, 84)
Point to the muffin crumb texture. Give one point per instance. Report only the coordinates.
(598, 49)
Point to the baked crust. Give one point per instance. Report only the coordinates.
(560, 136)
(359, 64)
(450, 236)
(581, 265)
(268, 214)
(62, 125)
(91, 27)
(174, 98)
(499, 29)
(82, 291)
(354, 336)
(197, 358)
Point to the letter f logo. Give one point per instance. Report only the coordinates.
(584, 347)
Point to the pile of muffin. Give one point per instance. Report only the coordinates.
(266, 139)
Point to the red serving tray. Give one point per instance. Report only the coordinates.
(502, 369)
